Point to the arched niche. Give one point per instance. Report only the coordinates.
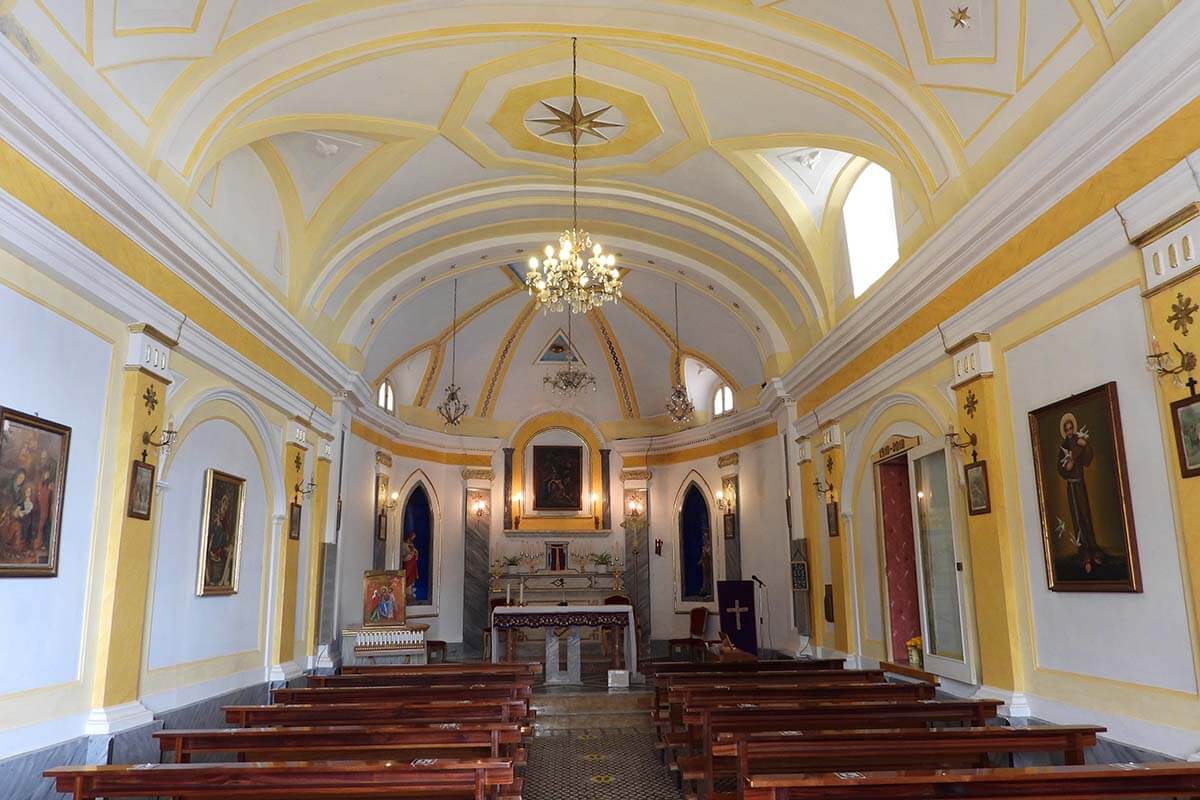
(416, 546)
(557, 429)
(697, 551)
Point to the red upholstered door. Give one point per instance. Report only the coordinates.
(900, 560)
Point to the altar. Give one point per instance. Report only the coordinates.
(555, 618)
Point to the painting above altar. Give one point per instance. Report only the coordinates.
(557, 478)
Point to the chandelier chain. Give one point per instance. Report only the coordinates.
(679, 406)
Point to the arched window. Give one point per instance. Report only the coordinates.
(723, 401)
(695, 548)
(870, 219)
(416, 547)
(386, 398)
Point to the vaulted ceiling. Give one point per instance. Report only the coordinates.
(358, 156)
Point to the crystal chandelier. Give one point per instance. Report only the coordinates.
(453, 409)
(679, 405)
(578, 275)
(570, 381)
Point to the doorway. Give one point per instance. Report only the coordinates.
(924, 576)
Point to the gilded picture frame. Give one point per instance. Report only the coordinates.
(979, 493)
(1084, 503)
(33, 477)
(295, 514)
(140, 502)
(384, 594)
(221, 529)
(831, 519)
(1185, 419)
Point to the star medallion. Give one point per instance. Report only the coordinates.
(575, 123)
(961, 16)
(1183, 313)
(971, 404)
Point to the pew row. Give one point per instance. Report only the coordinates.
(379, 713)
(371, 694)
(294, 780)
(349, 742)
(1088, 782)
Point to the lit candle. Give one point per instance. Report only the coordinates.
(508, 593)
(521, 601)
(1154, 346)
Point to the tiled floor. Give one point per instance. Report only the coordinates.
(597, 765)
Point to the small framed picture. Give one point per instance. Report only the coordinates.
(33, 481)
(979, 496)
(1185, 415)
(295, 511)
(831, 519)
(381, 527)
(141, 490)
(730, 525)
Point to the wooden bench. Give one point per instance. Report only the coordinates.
(507, 668)
(423, 679)
(384, 694)
(1090, 782)
(761, 753)
(293, 780)
(665, 682)
(443, 740)
(656, 668)
(378, 713)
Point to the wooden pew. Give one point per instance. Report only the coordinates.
(656, 668)
(399, 743)
(704, 724)
(378, 713)
(665, 682)
(471, 668)
(403, 679)
(681, 699)
(384, 694)
(1089, 782)
(293, 780)
(764, 752)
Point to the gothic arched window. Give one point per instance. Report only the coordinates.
(696, 565)
(416, 547)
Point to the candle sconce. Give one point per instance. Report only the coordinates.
(479, 507)
(1162, 362)
(823, 489)
(658, 544)
(303, 489)
(164, 441)
(956, 440)
(725, 500)
(596, 510)
(390, 505)
(515, 501)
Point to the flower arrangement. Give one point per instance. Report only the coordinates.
(914, 651)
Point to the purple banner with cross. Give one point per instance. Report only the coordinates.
(735, 600)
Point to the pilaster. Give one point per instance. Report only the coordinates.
(830, 464)
(477, 528)
(992, 573)
(317, 511)
(810, 510)
(636, 576)
(283, 623)
(127, 567)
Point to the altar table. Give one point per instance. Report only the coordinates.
(510, 618)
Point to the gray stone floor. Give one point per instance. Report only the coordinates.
(597, 765)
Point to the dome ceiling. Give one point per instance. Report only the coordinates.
(356, 156)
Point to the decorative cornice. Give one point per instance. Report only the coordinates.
(470, 474)
(727, 460)
(383, 459)
(628, 475)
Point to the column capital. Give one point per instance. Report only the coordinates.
(831, 436)
(972, 359)
(149, 350)
(804, 452)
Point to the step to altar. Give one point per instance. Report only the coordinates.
(591, 708)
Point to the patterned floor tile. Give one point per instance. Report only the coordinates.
(597, 765)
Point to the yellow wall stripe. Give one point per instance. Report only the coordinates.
(765, 431)
(403, 450)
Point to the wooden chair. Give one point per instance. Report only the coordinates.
(610, 636)
(438, 648)
(693, 646)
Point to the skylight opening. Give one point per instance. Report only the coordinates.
(870, 219)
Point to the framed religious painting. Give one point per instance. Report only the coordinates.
(295, 513)
(831, 519)
(383, 598)
(141, 490)
(557, 478)
(979, 494)
(220, 533)
(1083, 494)
(729, 525)
(1185, 417)
(33, 475)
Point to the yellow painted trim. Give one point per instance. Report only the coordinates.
(405, 450)
(159, 30)
(928, 44)
(767, 430)
(555, 420)
(489, 393)
(618, 368)
(659, 327)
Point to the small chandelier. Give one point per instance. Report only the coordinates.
(578, 275)
(453, 409)
(570, 381)
(679, 405)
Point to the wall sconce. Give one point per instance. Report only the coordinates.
(515, 500)
(165, 439)
(658, 547)
(1163, 363)
(725, 502)
(822, 488)
(393, 501)
(303, 489)
(479, 507)
(596, 510)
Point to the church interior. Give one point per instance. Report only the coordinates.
(826, 422)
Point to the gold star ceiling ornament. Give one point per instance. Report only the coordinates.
(961, 16)
(575, 123)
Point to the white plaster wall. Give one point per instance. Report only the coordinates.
(55, 368)
(183, 627)
(764, 538)
(355, 542)
(1138, 638)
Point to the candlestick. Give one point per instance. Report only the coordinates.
(508, 593)
(522, 600)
